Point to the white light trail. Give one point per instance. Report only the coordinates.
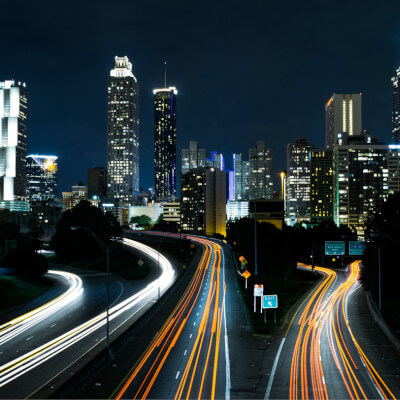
(30, 360)
(12, 328)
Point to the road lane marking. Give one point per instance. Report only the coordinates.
(53, 325)
(177, 375)
(190, 336)
(271, 378)
(29, 338)
(323, 380)
(183, 353)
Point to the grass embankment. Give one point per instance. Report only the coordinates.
(288, 290)
(391, 314)
(15, 290)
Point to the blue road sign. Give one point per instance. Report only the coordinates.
(334, 249)
(356, 248)
(270, 301)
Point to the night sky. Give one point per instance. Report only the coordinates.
(244, 70)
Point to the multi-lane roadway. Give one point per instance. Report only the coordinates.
(319, 357)
(40, 344)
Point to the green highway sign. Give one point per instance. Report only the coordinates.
(334, 248)
(356, 248)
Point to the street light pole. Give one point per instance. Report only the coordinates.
(379, 279)
(108, 295)
(158, 268)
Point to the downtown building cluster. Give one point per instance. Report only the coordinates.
(342, 181)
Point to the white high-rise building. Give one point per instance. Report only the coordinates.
(241, 170)
(13, 114)
(123, 133)
(342, 115)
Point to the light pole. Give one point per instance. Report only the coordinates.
(255, 235)
(106, 248)
(158, 267)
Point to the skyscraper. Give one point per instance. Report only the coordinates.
(193, 157)
(97, 182)
(321, 166)
(261, 184)
(241, 170)
(13, 114)
(165, 143)
(298, 180)
(360, 179)
(396, 106)
(123, 133)
(41, 177)
(342, 114)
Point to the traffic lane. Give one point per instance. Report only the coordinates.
(198, 377)
(88, 305)
(281, 379)
(379, 350)
(26, 385)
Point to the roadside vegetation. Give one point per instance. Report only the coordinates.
(278, 253)
(383, 233)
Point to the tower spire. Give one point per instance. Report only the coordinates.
(165, 74)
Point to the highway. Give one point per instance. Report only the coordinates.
(319, 357)
(189, 357)
(40, 344)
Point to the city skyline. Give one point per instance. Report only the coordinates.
(232, 110)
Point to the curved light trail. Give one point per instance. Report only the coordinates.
(30, 360)
(12, 328)
(325, 317)
(199, 376)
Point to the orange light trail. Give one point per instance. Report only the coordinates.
(203, 359)
(325, 314)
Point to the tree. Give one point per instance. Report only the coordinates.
(74, 244)
(166, 226)
(383, 232)
(142, 221)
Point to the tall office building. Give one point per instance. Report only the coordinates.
(396, 107)
(13, 114)
(321, 166)
(193, 157)
(203, 201)
(298, 180)
(261, 183)
(97, 182)
(342, 114)
(41, 177)
(123, 133)
(360, 179)
(216, 160)
(241, 171)
(394, 168)
(165, 143)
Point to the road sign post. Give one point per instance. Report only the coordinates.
(270, 301)
(258, 292)
(356, 248)
(246, 274)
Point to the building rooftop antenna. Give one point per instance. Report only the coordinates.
(165, 74)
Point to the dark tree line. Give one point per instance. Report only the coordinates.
(383, 232)
(278, 251)
(78, 242)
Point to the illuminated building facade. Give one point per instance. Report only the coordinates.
(41, 177)
(394, 168)
(360, 179)
(261, 183)
(298, 180)
(321, 180)
(396, 107)
(237, 210)
(123, 133)
(342, 115)
(165, 143)
(241, 170)
(13, 115)
(216, 160)
(193, 157)
(203, 201)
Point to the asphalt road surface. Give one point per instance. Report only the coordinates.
(31, 357)
(319, 357)
(189, 356)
